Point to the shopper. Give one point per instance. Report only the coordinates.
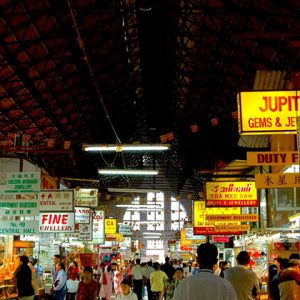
(289, 281)
(149, 269)
(60, 282)
(23, 278)
(126, 293)
(224, 266)
(243, 280)
(38, 272)
(205, 285)
(168, 268)
(34, 281)
(106, 282)
(72, 287)
(157, 282)
(88, 287)
(137, 277)
(56, 260)
(172, 285)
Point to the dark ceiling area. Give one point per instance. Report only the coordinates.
(136, 71)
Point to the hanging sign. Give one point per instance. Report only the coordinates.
(110, 226)
(82, 215)
(272, 158)
(98, 227)
(268, 112)
(56, 200)
(85, 232)
(277, 180)
(57, 222)
(240, 218)
(219, 229)
(125, 230)
(19, 205)
(234, 194)
(86, 197)
(20, 183)
(18, 227)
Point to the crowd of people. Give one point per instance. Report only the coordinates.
(204, 279)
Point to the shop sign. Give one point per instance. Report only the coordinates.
(85, 232)
(114, 237)
(272, 158)
(234, 194)
(87, 259)
(268, 112)
(240, 218)
(56, 200)
(57, 222)
(277, 180)
(82, 215)
(19, 205)
(98, 227)
(86, 197)
(20, 183)
(220, 239)
(110, 226)
(200, 212)
(211, 230)
(18, 227)
(189, 235)
(125, 230)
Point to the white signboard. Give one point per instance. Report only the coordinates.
(56, 200)
(86, 197)
(19, 205)
(20, 183)
(98, 227)
(82, 215)
(125, 229)
(18, 227)
(57, 222)
(85, 232)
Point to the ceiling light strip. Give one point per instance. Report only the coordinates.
(126, 172)
(127, 147)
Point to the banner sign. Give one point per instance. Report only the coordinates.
(235, 194)
(20, 183)
(110, 226)
(18, 227)
(268, 112)
(57, 222)
(272, 158)
(125, 230)
(220, 239)
(225, 230)
(98, 227)
(82, 215)
(85, 232)
(277, 180)
(19, 205)
(86, 197)
(56, 200)
(240, 218)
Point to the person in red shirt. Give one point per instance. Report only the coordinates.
(87, 288)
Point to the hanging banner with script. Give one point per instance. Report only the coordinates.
(86, 197)
(268, 112)
(234, 194)
(56, 200)
(85, 232)
(272, 158)
(18, 227)
(277, 180)
(98, 227)
(82, 215)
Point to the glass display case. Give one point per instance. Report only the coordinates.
(47, 282)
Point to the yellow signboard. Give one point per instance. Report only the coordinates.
(272, 158)
(277, 180)
(268, 112)
(200, 212)
(110, 226)
(237, 193)
(233, 218)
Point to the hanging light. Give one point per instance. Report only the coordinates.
(126, 147)
(127, 172)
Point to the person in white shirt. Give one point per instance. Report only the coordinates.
(137, 275)
(149, 270)
(72, 287)
(205, 285)
(126, 293)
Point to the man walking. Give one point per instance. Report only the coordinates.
(243, 280)
(205, 285)
(137, 276)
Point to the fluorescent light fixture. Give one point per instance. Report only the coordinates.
(126, 172)
(151, 233)
(140, 191)
(152, 237)
(139, 205)
(127, 147)
(145, 209)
